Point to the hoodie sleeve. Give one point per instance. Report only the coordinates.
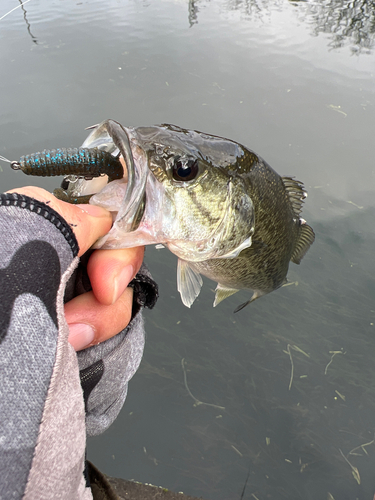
(42, 404)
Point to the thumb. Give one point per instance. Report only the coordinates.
(88, 222)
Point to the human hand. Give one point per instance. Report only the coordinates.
(102, 313)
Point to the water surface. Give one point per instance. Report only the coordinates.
(290, 380)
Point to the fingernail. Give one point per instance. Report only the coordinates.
(121, 281)
(93, 210)
(80, 335)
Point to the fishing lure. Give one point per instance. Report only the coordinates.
(79, 162)
(99, 155)
(82, 162)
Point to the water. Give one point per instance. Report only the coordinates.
(290, 380)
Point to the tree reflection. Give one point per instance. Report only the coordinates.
(347, 22)
(34, 39)
(193, 12)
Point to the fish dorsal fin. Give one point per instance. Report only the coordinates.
(189, 282)
(296, 193)
(305, 240)
(222, 293)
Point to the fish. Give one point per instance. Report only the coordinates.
(214, 203)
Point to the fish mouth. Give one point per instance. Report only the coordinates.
(126, 197)
(134, 202)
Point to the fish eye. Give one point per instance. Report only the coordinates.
(184, 170)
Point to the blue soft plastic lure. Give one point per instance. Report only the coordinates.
(82, 162)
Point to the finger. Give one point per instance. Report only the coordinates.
(91, 322)
(110, 272)
(88, 222)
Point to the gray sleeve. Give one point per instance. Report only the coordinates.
(106, 369)
(42, 411)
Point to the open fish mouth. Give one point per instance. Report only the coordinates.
(126, 197)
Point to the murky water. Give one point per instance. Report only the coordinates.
(289, 381)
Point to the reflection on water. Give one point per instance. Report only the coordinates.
(350, 23)
(33, 38)
(290, 380)
(346, 23)
(193, 12)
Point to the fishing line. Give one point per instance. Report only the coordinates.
(18, 6)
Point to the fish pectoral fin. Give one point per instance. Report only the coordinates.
(256, 295)
(222, 293)
(189, 282)
(258, 246)
(235, 253)
(305, 240)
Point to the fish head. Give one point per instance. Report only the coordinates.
(181, 192)
(196, 208)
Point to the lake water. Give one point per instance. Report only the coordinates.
(289, 381)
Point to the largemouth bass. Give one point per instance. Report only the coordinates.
(214, 203)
